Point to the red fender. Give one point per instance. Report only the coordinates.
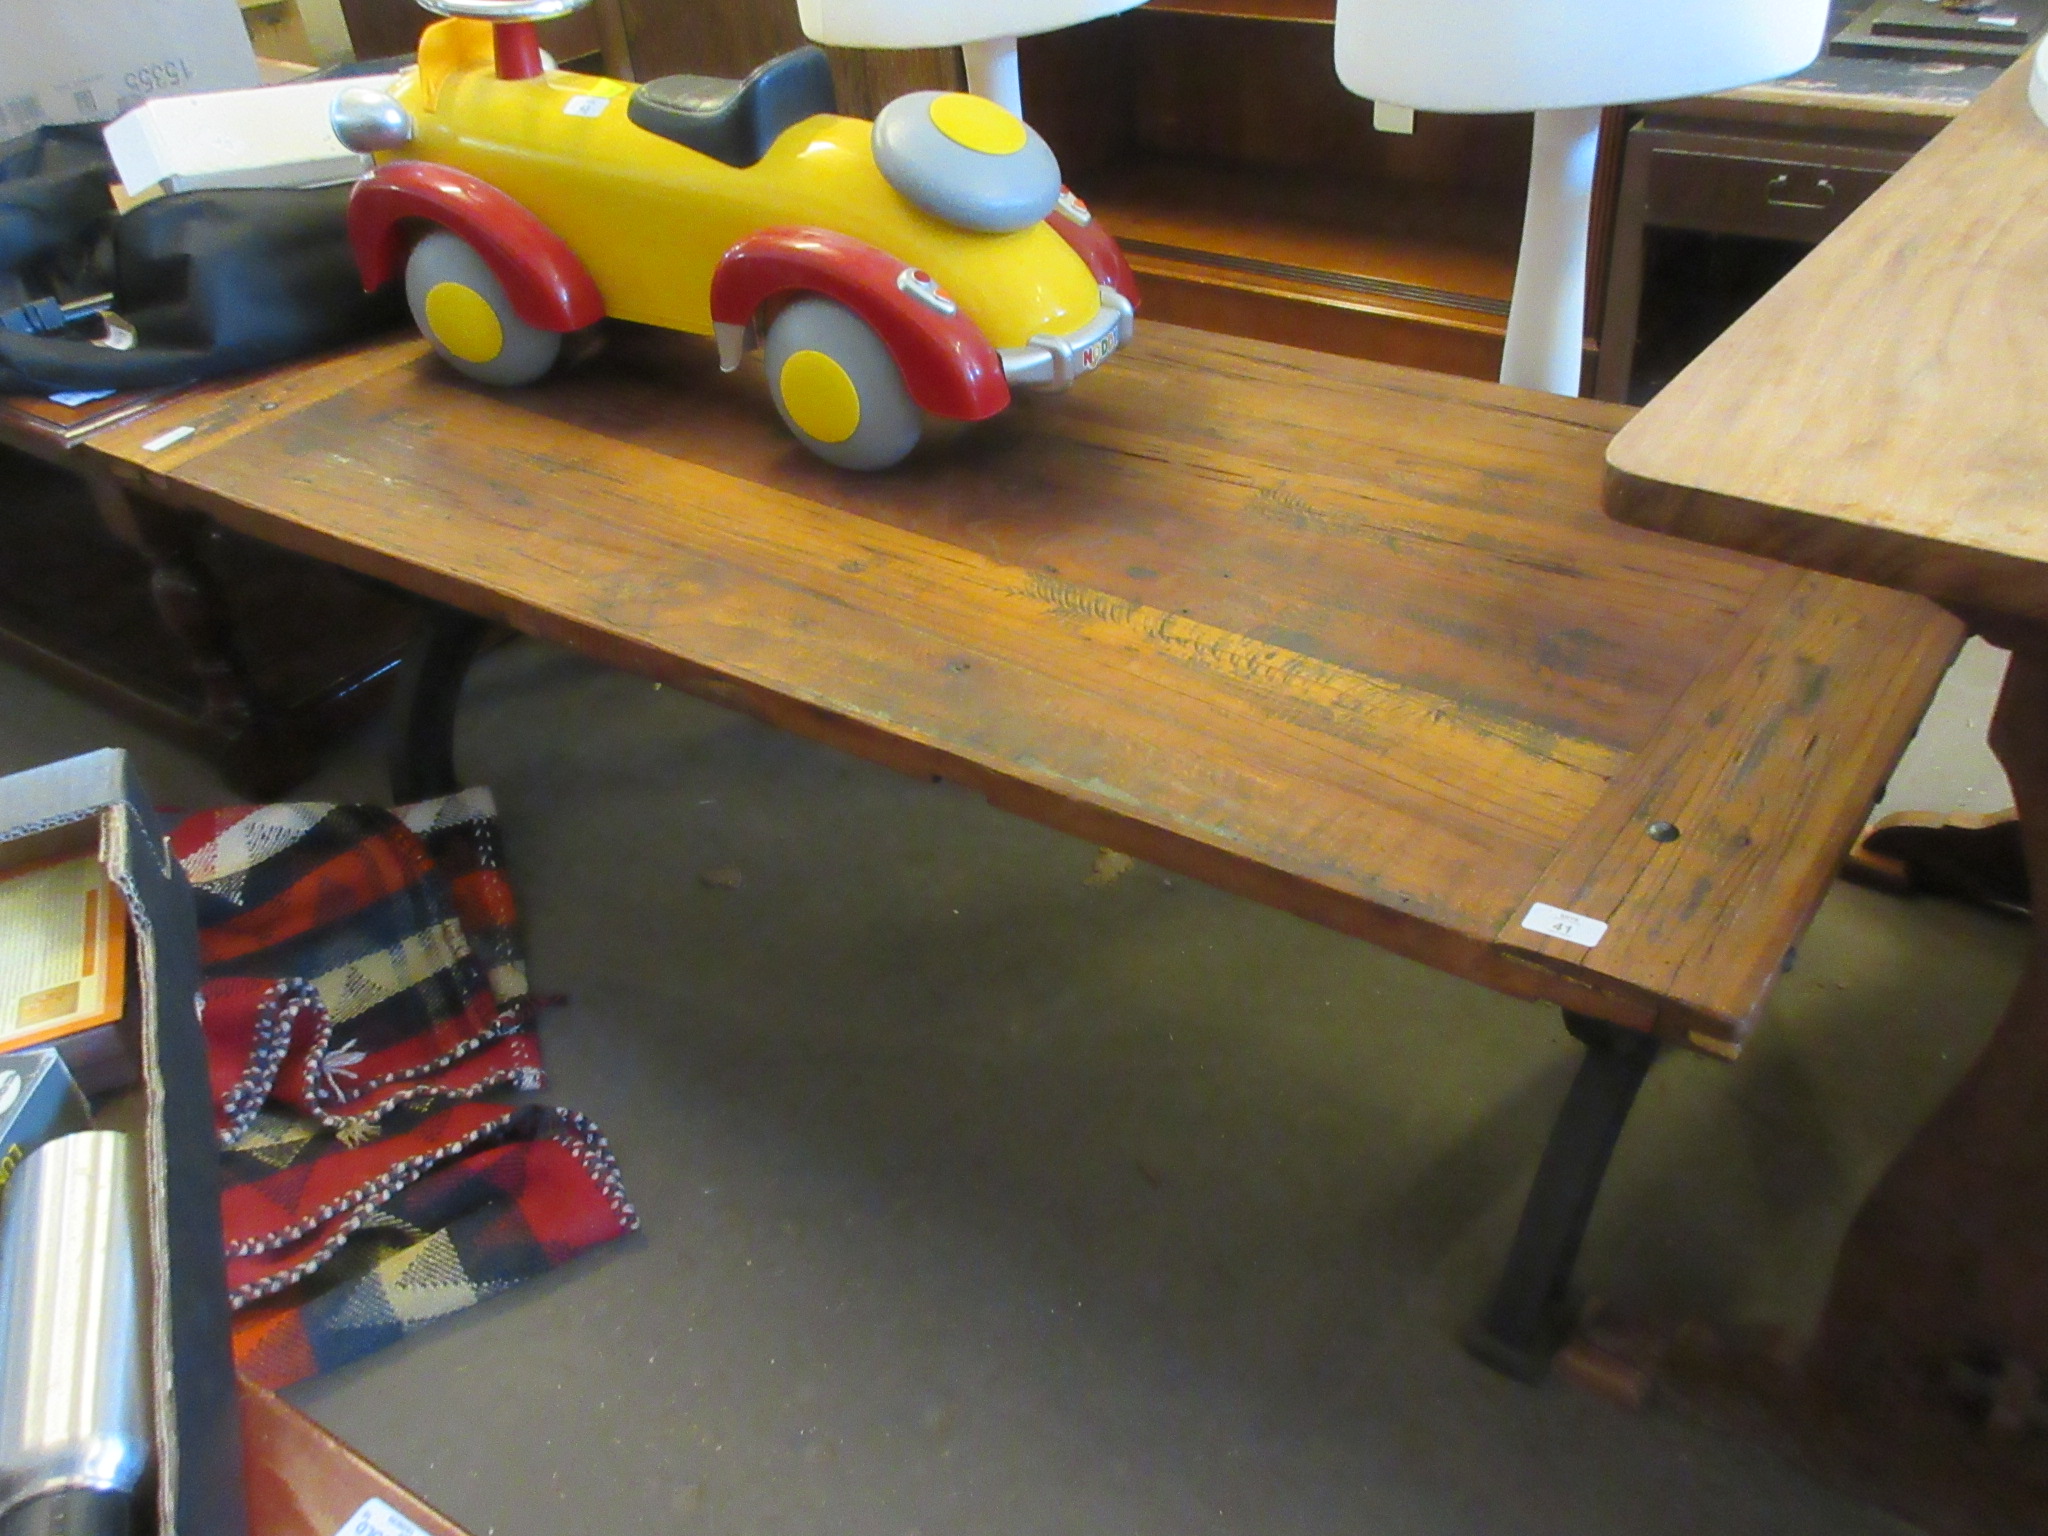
(547, 285)
(1094, 245)
(947, 364)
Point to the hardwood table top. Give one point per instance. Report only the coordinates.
(1878, 413)
(1353, 640)
(39, 426)
(301, 1481)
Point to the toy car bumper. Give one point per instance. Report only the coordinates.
(1054, 362)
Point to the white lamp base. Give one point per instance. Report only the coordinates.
(992, 72)
(1547, 318)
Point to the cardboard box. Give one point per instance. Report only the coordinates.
(85, 61)
(274, 136)
(92, 804)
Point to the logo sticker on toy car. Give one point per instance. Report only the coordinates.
(585, 106)
(1096, 353)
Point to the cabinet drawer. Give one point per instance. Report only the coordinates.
(1778, 199)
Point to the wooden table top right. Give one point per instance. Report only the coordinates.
(1878, 413)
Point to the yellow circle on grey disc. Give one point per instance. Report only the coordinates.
(820, 397)
(463, 321)
(978, 124)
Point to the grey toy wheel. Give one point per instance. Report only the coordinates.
(837, 387)
(460, 306)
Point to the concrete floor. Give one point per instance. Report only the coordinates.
(979, 1198)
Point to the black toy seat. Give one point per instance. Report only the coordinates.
(736, 120)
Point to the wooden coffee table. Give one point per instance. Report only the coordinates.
(1348, 639)
(1878, 414)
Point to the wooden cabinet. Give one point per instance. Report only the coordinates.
(1775, 188)
(1712, 212)
(252, 657)
(1718, 197)
(1254, 196)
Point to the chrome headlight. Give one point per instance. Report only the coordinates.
(367, 120)
(966, 160)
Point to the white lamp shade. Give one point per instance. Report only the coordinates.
(1535, 55)
(942, 23)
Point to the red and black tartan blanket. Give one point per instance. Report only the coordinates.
(364, 988)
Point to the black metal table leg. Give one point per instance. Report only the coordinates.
(429, 689)
(1530, 1312)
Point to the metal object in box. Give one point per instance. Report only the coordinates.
(74, 1436)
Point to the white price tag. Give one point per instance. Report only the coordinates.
(585, 106)
(1572, 927)
(168, 439)
(376, 1518)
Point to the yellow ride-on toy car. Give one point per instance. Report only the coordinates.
(928, 262)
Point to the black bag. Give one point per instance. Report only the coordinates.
(211, 282)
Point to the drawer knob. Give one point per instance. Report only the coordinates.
(1779, 194)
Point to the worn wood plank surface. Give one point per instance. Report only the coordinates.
(301, 1481)
(1432, 530)
(1353, 640)
(1877, 413)
(1682, 914)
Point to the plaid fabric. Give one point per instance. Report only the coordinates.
(364, 987)
(492, 1198)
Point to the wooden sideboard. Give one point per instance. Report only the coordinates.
(253, 658)
(1720, 196)
(1254, 196)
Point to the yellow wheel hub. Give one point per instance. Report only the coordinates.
(462, 320)
(978, 124)
(820, 397)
